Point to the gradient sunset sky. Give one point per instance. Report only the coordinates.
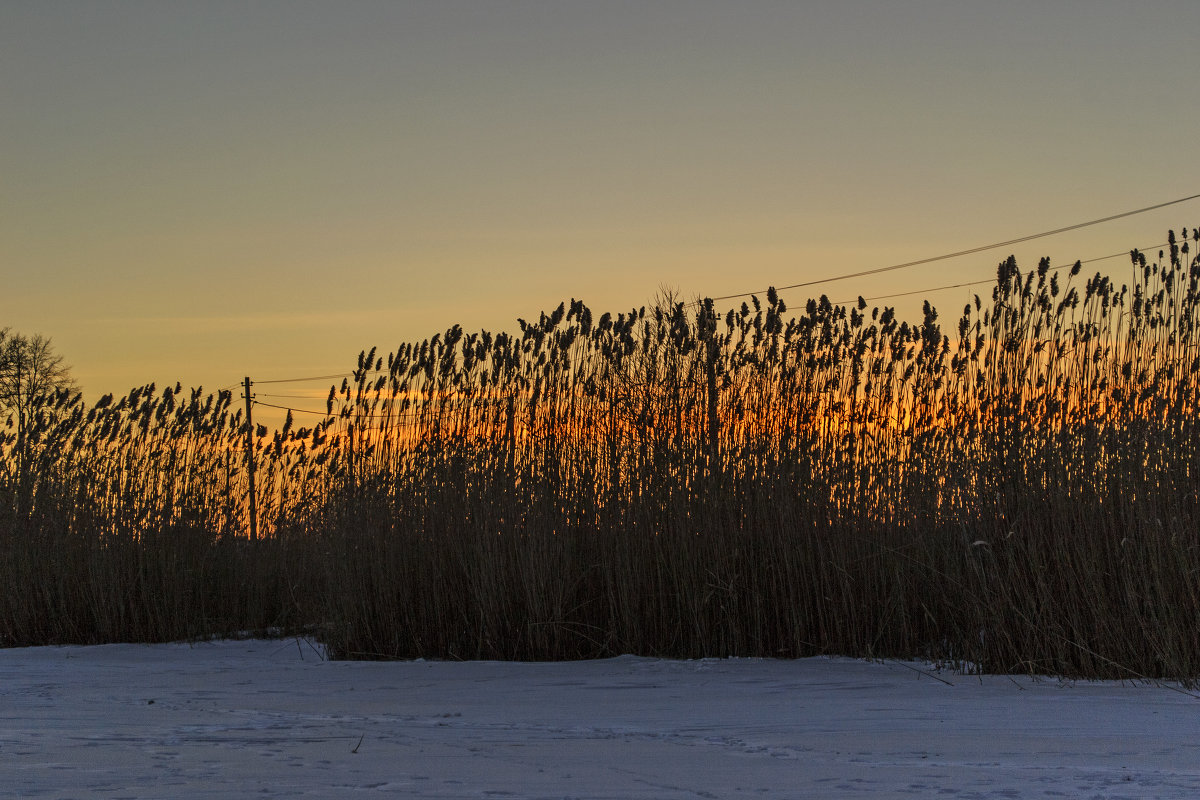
(199, 191)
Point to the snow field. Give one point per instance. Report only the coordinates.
(274, 719)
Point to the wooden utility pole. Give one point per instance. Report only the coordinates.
(708, 329)
(250, 463)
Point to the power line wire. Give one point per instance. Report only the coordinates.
(989, 280)
(463, 402)
(473, 401)
(289, 396)
(397, 417)
(967, 252)
(846, 276)
(296, 410)
(301, 380)
(337, 414)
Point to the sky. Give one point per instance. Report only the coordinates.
(198, 192)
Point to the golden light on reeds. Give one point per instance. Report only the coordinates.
(676, 480)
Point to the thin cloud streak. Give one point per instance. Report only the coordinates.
(249, 323)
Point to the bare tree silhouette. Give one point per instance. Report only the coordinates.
(33, 377)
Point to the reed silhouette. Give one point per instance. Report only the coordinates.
(1018, 493)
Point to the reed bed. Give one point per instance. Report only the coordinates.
(1016, 493)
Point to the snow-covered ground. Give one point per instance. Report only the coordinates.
(273, 719)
